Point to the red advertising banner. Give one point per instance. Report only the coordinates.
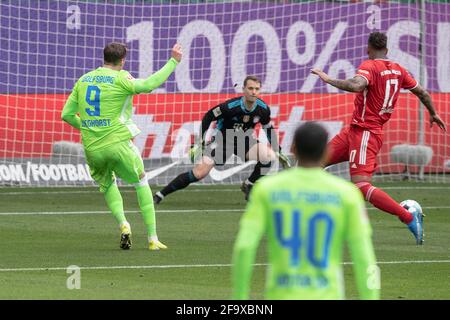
(30, 123)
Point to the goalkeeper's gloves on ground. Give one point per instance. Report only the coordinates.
(284, 160)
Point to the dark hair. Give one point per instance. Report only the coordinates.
(252, 78)
(310, 141)
(114, 52)
(378, 40)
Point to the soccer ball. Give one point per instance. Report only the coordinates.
(412, 206)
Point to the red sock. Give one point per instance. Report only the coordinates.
(383, 201)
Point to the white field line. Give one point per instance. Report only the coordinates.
(181, 266)
(130, 211)
(18, 213)
(12, 193)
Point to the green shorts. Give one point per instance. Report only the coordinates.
(122, 160)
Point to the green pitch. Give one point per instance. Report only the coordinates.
(43, 231)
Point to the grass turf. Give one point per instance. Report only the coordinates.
(199, 225)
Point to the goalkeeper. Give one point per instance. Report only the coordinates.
(307, 215)
(236, 119)
(100, 106)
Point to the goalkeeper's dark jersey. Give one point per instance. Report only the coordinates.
(233, 115)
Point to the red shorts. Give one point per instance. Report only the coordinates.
(357, 146)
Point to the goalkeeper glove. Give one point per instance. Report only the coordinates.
(195, 151)
(284, 160)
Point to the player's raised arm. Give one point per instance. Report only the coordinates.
(159, 77)
(358, 233)
(70, 110)
(355, 84)
(252, 227)
(425, 98)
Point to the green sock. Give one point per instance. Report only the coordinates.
(115, 203)
(145, 199)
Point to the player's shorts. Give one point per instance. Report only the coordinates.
(220, 152)
(358, 146)
(122, 160)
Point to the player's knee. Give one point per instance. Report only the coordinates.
(272, 156)
(201, 171)
(266, 155)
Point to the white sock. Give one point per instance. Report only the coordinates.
(159, 194)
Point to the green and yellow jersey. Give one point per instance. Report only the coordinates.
(101, 102)
(307, 215)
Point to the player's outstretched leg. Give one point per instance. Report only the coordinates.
(115, 204)
(180, 182)
(200, 171)
(144, 195)
(384, 202)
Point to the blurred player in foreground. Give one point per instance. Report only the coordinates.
(236, 119)
(307, 215)
(377, 82)
(100, 106)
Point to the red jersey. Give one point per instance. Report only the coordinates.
(374, 106)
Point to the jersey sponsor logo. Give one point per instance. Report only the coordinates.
(363, 71)
(219, 175)
(130, 77)
(217, 112)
